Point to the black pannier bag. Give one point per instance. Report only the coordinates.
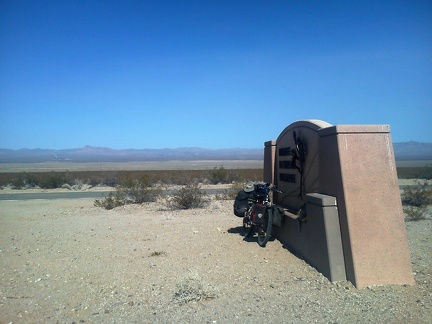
(241, 203)
(259, 215)
(278, 216)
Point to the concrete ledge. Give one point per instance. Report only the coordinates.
(327, 254)
(321, 200)
(270, 143)
(354, 129)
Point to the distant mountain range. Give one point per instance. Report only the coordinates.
(408, 151)
(102, 154)
(403, 152)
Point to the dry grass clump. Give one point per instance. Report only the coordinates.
(158, 253)
(192, 289)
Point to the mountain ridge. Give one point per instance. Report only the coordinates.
(102, 154)
(403, 151)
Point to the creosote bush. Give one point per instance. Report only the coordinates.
(189, 196)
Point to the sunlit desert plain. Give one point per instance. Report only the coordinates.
(68, 261)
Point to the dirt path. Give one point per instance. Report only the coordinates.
(66, 261)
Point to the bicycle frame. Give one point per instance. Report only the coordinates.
(260, 213)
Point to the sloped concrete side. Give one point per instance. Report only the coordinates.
(358, 168)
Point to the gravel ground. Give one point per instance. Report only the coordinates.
(66, 261)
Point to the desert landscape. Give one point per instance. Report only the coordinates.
(66, 261)
(128, 128)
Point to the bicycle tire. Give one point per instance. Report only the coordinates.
(248, 227)
(264, 230)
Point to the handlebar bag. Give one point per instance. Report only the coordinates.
(241, 204)
(260, 192)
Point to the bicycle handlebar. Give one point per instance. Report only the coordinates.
(273, 187)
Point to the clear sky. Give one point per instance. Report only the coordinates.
(209, 73)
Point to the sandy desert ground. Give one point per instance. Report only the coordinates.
(66, 261)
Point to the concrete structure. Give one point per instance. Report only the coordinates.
(345, 178)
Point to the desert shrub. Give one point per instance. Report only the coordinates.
(31, 180)
(424, 172)
(132, 191)
(113, 200)
(115, 178)
(417, 195)
(230, 193)
(227, 194)
(192, 288)
(415, 200)
(66, 186)
(218, 175)
(138, 191)
(109, 181)
(92, 182)
(183, 179)
(52, 181)
(23, 180)
(415, 213)
(222, 175)
(18, 182)
(189, 196)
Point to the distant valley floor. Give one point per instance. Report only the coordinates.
(155, 165)
(131, 166)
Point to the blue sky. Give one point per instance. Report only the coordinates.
(209, 73)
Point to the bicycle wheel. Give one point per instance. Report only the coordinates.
(264, 230)
(248, 227)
